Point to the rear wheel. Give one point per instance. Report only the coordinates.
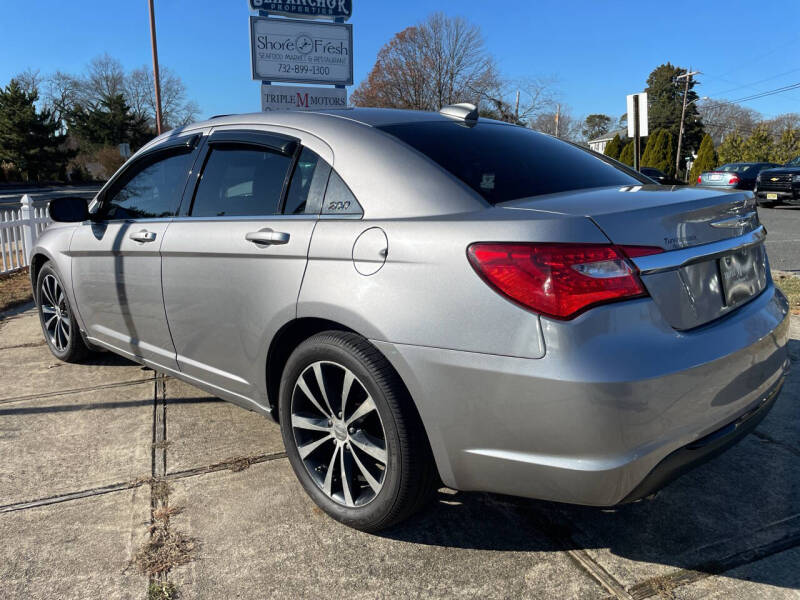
(352, 435)
(57, 317)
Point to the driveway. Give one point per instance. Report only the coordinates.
(103, 460)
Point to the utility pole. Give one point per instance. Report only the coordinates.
(516, 109)
(688, 77)
(159, 124)
(558, 116)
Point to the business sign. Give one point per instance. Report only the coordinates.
(642, 111)
(342, 9)
(301, 51)
(292, 97)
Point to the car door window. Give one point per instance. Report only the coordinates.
(148, 190)
(240, 181)
(307, 186)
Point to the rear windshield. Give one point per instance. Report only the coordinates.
(503, 162)
(738, 167)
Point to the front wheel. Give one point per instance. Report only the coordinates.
(57, 317)
(351, 433)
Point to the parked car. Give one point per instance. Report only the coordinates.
(422, 298)
(734, 176)
(781, 184)
(659, 176)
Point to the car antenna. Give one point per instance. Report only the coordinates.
(463, 112)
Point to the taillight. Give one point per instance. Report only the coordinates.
(699, 179)
(560, 280)
(734, 179)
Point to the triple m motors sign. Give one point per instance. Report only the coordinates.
(291, 97)
(301, 51)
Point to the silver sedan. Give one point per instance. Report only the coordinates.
(428, 298)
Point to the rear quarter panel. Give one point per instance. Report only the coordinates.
(427, 293)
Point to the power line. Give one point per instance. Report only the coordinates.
(779, 90)
(750, 85)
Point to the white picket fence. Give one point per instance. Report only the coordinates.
(19, 229)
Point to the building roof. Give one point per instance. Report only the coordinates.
(623, 133)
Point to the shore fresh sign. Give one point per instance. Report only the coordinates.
(301, 51)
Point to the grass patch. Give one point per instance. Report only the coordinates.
(790, 286)
(166, 548)
(162, 590)
(15, 289)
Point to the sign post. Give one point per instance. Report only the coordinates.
(637, 124)
(302, 50)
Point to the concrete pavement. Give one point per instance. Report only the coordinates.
(87, 447)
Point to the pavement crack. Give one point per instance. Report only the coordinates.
(91, 388)
(226, 465)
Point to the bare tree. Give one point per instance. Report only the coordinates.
(440, 61)
(721, 118)
(29, 80)
(175, 109)
(61, 93)
(535, 95)
(104, 78)
(569, 128)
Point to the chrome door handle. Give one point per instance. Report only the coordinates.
(267, 237)
(143, 236)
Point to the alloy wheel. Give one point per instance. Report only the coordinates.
(55, 313)
(339, 434)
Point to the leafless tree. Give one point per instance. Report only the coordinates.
(721, 118)
(105, 77)
(61, 92)
(441, 61)
(535, 96)
(140, 95)
(30, 80)
(569, 128)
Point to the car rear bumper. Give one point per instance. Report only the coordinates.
(617, 393)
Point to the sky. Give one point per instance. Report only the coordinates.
(596, 51)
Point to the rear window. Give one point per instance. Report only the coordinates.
(503, 162)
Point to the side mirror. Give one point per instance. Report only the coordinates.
(68, 209)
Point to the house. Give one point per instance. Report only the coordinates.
(599, 144)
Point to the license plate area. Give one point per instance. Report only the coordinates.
(772, 196)
(743, 274)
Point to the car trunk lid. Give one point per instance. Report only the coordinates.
(714, 260)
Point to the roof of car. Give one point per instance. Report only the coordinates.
(374, 117)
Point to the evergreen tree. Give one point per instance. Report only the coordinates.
(650, 149)
(787, 147)
(666, 161)
(660, 152)
(29, 139)
(759, 146)
(706, 159)
(731, 150)
(665, 103)
(595, 125)
(626, 156)
(613, 148)
(108, 123)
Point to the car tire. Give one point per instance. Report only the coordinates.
(369, 471)
(57, 317)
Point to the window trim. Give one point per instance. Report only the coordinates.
(168, 149)
(249, 141)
